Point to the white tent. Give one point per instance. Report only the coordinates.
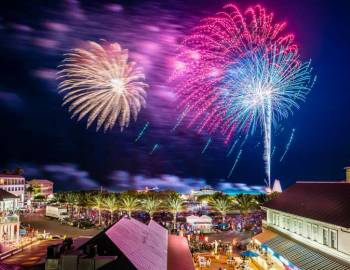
(202, 223)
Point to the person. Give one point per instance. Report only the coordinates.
(208, 262)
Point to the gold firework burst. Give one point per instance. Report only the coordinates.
(102, 84)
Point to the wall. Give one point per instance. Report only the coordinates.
(327, 238)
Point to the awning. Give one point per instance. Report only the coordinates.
(264, 236)
(303, 257)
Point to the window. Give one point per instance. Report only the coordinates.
(295, 226)
(300, 229)
(325, 236)
(288, 224)
(308, 230)
(333, 239)
(314, 232)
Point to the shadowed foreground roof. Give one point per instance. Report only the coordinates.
(179, 255)
(145, 246)
(326, 202)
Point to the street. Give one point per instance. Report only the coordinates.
(41, 223)
(32, 254)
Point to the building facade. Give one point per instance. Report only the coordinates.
(310, 217)
(39, 187)
(9, 229)
(14, 184)
(8, 201)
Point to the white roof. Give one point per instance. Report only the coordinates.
(144, 245)
(204, 218)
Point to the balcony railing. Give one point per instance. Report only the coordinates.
(9, 219)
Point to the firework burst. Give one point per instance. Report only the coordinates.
(238, 71)
(100, 83)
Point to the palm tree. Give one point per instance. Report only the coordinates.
(175, 205)
(97, 203)
(245, 202)
(71, 199)
(222, 204)
(82, 201)
(151, 204)
(59, 197)
(128, 203)
(111, 204)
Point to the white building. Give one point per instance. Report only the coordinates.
(8, 201)
(308, 226)
(39, 187)
(9, 229)
(14, 184)
(206, 190)
(200, 223)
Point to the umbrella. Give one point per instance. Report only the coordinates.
(249, 253)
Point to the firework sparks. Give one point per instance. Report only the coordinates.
(235, 163)
(142, 132)
(261, 90)
(155, 147)
(100, 83)
(206, 146)
(180, 119)
(291, 138)
(233, 147)
(273, 151)
(239, 72)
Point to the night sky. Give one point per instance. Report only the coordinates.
(38, 135)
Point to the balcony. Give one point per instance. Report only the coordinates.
(9, 219)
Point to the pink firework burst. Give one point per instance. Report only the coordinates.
(213, 47)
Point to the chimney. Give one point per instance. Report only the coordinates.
(347, 172)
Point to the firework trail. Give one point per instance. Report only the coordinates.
(273, 152)
(206, 146)
(155, 147)
(238, 72)
(180, 119)
(233, 147)
(235, 163)
(100, 83)
(291, 138)
(142, 132)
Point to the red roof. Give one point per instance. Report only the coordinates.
(326, 202)
(40, 181)
(179, 255)
(3, 175)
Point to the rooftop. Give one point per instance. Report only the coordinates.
(40, 181)
(5, 175)
(146, 247)
(6, 195)
(323, 201)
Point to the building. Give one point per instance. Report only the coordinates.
(14, 184)
(8, 201)
(308, 226)
(39, 188)
(202, 223)
(129, 245)
(277, 186)
(9, 230)
(206, 190)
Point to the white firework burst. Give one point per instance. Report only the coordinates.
(102, 84)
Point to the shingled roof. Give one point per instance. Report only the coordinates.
(328, 202)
